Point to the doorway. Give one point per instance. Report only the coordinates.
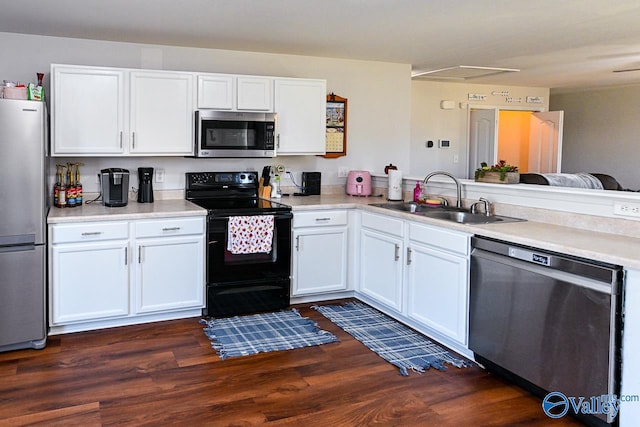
(529, 139)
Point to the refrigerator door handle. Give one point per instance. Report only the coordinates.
(17, 248)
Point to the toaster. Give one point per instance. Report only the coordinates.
(359, 183)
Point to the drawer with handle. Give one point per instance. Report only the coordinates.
(169, 227)
(89, 231)
(319, 218)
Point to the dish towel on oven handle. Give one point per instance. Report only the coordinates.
(250, 234)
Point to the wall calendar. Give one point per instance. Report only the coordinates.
(336, 131)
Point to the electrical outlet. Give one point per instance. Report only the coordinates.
(97, 181)
(627, 209)
(343, 172)
(159, 175)
(456, 158)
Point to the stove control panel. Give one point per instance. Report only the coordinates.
(213, 178)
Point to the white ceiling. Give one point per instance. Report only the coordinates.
(556, 44)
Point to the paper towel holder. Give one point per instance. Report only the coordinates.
(394, 191)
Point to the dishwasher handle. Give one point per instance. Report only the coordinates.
(563, 276)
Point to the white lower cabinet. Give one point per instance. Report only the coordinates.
(417, 273)
(91, 281)
(437, 290)
(382, 259)
(381, 267)
(169, 273)
(320, 252)
(114, 273)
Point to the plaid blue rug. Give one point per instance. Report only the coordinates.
(260, 333)
(391, 340)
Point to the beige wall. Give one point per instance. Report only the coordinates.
(379, 98)
(602, 132)
(430, 122)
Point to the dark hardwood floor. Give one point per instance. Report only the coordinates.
(167, 374)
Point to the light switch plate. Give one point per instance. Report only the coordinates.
(159, 175)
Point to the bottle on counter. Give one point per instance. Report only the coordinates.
(56, 187)
(417, 192)
(62, 188)
(71, 188)
(78, 185)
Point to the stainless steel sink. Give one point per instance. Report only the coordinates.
(470, 218)
(414, 207)
(446, 213)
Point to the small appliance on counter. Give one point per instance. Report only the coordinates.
(395, 185)
(115, 187)
(359, 183)
(145, 185)
(311, 183)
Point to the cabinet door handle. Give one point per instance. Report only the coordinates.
(278, 141)
(408, 256)
(139, 254)
(91, 233)
(126, 255)
(397, 254)
(165, 229)
(323, 219)
(133, 139)
(297, 243)
(120, 139)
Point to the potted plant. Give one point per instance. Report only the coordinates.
(500, 173)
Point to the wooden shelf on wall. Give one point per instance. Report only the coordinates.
(336, 127)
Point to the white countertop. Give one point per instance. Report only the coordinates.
(605, 247)
(133, 210)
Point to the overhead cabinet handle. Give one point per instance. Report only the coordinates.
(408, 256)
(397, 254)
(165, 229)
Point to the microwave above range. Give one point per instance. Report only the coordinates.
(235, 134)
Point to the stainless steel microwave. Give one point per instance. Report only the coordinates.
(235, 134)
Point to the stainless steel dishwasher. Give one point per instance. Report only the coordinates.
(550, 319)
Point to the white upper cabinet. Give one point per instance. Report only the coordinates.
(110, 111)
(235, 92)
(301, 108)
(101, 111)
(255, 93)
(88, 109)
(216, 91)
(161, 113)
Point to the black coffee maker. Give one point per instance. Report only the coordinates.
(145, 184)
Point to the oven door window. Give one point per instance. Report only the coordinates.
(232, 135)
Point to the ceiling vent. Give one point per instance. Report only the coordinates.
(461, 72)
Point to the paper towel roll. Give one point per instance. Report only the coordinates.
(395, 185)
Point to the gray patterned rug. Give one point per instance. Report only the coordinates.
(260, 333)
(391, 340)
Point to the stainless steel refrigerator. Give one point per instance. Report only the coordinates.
(23, 211)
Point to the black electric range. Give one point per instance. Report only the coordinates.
(241, 283)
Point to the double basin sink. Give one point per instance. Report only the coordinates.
(446, 213)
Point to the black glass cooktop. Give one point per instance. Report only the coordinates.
(243, 206)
